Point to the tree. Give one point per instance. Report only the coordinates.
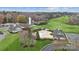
(9, 18)
(21, 19)
(14, 16)
(1, 18)
(74, 20)
(4, 12)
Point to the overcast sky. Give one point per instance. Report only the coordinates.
(41, 9)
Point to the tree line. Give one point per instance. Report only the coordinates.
(22, 17)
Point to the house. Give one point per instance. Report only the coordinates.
(45, 34)
(13, 28)
(59, 35)
(39, 20)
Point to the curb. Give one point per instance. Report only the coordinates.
(44, 47)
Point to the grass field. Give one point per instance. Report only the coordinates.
(15, 46)
(11, 42)
(10, 38)
(60, 23)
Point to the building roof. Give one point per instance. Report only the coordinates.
(59, 33)
(44, 34)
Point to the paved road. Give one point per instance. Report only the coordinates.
(72, 37)
(2, 36)
(51, 47)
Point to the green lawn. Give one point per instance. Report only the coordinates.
(14, 44)
(11, 43)
(60, 23)
(10, 38)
